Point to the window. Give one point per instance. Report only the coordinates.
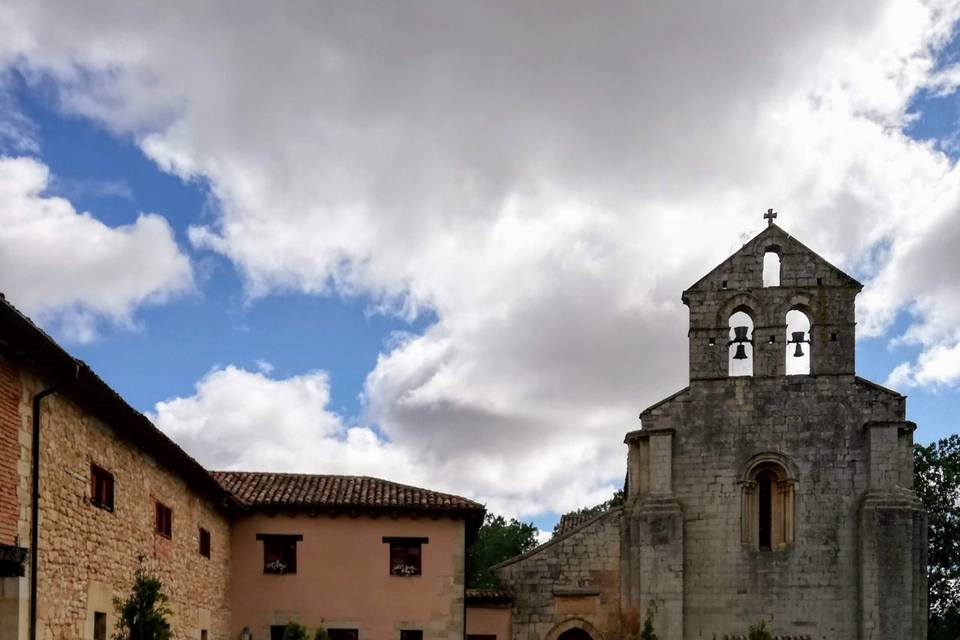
(164, 520)
(767, 518)
(203, 634)
(99, 625)
(411, 634)
(204, 543)
(276, 631)
(279, 552)
(740, 345)
(771, 267)
(342, 634)
(405, 556)
(101, 488)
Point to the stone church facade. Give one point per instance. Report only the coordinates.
(757, 492)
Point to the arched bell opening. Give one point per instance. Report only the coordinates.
(771, 267)
(799, 345)
(740, 344)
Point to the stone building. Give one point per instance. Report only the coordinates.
(367, 558)
(776, 486)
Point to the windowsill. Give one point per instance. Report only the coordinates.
(279, 573)
(102, 507)
(405, 575)
(163, 535)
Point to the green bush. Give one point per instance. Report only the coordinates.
(647, 632)
(759, 631)
(295, 631)
(321, 634)
(143, 615)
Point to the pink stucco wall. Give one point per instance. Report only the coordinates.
(489, 621)
(343, 577)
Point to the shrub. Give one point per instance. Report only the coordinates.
(143, 615)
(647, 633)
(759, 631)
(321, 634)
(295, 631)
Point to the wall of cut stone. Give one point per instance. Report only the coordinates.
(88, 555)
(575, 577)
(816, 423)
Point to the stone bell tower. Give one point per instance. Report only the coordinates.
(777, 486)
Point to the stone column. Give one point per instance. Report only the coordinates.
(893, 541)
(652, 539)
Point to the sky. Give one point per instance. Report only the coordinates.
(444, 243)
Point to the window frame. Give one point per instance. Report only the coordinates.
(100, 616)
(101, 478)
(290, 539)
(163, 520)
(400, 555)
(411, 634)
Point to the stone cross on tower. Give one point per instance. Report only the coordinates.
(769, 216)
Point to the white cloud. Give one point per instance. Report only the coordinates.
(545, 179)
(68, 268)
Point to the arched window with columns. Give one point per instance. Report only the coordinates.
(767, 505)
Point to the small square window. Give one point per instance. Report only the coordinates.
(164, 522)
(204, 542)
(712, 342)
(405, 555)
(279, 552)
(276, 631)
(819, 281)
(773, 339)
(101, 488)
(99, 625)
(411, 634)
(342, 634)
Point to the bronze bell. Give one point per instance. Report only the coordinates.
(741, 353)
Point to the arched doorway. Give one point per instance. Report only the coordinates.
(575, 634)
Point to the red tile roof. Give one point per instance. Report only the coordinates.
(338, 493)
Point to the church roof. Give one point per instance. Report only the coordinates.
(774, 236)
(339, 493)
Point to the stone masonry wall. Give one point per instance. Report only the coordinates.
(573, 578)
(816, 423)
(10, 392)
(88, 555)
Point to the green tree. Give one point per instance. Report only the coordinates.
(143, 615)
(937, 482)
(295, 631)
(497, 540)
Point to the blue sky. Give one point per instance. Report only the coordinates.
(456, 284)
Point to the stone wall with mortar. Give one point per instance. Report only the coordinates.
(572, 580)
(88, 555)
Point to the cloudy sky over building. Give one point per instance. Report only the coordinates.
(444, 243)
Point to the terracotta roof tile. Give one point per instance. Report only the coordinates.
(339, 493)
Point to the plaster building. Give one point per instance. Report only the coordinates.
(777, 485)
(237, 552)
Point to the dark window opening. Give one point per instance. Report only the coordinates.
(411, 634)
(279, 552)
(342, 634)
(713, 341)
(405, 555)
(276, 631)
(723, 285)
(99, 625)
(765, 510)
(203, 634)
(819, 281)
(204, 542)
(773, 339)
(101, 488)
(164, 521)
(833, 337)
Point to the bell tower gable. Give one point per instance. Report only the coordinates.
(773, 308)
